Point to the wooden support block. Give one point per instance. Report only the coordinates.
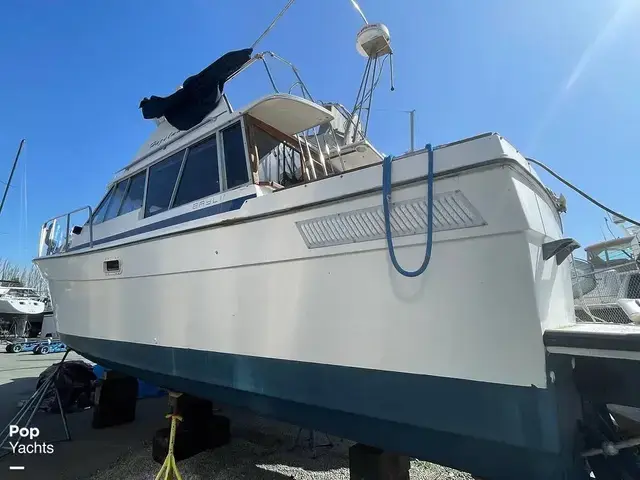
(198, 431)
(115, 400)
(369, 463)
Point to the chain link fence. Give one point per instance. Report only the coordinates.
(610, 295)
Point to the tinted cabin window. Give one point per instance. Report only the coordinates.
(116, 200)
(235, 161)
(200, 176)
(133, 199)
(98, 215)
(162, 179)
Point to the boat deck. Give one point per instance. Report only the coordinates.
(605, 359)
(595, 340)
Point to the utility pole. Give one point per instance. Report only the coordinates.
(13, 169)
(412, 114)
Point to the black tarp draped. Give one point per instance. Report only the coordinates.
(199, 95)
(75, 383)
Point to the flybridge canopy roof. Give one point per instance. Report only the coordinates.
(616, 242)
(287, 113)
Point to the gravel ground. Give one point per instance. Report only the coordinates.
(262, 449)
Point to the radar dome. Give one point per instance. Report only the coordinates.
(372, 40)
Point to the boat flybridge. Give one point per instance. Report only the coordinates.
(257, 258)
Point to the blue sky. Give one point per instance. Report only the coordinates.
(558, 79)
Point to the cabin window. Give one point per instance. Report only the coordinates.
(116, 200)
(235, 160)
(162, 180)
(200, 175)
(98, 215)
(133, 199)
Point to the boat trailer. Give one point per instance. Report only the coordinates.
(39, 346)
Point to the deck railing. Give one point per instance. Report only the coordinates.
(311, 163)
(596, 292)
(56, 233)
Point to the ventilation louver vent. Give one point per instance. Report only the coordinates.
(451, 210)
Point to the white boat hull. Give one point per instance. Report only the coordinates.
(20, 306)
(265, 313)
(256, 289)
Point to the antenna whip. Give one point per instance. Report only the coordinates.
(272, 24)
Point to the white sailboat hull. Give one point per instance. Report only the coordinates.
(20, 306)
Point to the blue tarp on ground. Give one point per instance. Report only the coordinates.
(144, 389)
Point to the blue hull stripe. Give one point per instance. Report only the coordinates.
(223, 207)
(462, 424)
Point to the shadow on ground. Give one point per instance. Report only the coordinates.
(89, 450)
(260, 448)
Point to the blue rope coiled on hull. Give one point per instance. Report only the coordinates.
(386, 201)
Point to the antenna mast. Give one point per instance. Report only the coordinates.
(13, 169)
(373, 43)
(357, 7)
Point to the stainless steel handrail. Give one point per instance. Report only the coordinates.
(68, 217)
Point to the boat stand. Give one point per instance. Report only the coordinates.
(169, 466)
(311, 441)
(16, 330)
(31, 407)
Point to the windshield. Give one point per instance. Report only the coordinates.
(620, 254)
(611, 255)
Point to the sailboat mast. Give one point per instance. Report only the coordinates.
(13, 169)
